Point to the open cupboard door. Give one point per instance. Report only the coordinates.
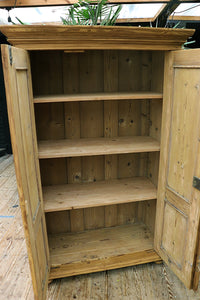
(178, 208)
(23, 134)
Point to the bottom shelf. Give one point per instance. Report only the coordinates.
(100, 249)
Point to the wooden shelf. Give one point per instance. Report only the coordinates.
(100, 249)
(96, 146)
(97, 97)
(82, 195)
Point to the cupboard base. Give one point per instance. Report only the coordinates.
(100, 250)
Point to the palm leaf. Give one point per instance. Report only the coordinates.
(86, 13)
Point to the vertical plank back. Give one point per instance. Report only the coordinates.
(71, 83)
(91, 116)
(111, 125)
(50, 124)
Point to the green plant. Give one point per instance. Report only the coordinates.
(20, 22)
(90, 13)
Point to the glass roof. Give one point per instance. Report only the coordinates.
(186, 9)
(139, 11)
(132, 12)
(53, 13)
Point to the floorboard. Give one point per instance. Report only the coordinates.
(144, 282)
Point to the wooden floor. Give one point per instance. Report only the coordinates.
(144, 282)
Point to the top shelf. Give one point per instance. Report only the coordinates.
(97, 97)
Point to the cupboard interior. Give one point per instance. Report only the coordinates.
(90, 229)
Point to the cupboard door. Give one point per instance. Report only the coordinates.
(23, 134)
(178, 206)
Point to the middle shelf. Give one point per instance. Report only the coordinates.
(83, 195)
(98, 97)
(96, 146)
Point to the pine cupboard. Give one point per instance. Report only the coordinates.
(105, 127)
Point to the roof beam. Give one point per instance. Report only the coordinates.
(25, 3)
(162, 18)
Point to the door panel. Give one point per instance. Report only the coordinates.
(178, 206)
(173, 236)
(23, 134)
(184, 131)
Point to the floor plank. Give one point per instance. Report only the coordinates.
(143, 282)
(15, 279)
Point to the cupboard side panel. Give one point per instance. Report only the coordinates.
(165, 133)
(155, 117)
(155, 120)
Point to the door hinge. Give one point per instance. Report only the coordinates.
(10, 54)
(196, 183)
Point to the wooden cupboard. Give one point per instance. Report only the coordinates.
(105, 127)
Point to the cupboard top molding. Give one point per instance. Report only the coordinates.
(61, 37)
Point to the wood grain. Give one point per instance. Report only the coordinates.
(97, 97)
(37, 37)
(23, 133)
(178, 202)
(111, 125)
(115, 191)
(129, 283)
(96, 146)
(72, 129)
(100, 249)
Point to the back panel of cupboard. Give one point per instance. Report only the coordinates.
(56, 72)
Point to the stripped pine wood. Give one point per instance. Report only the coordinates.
(72, 129)
(48, 174)
(130, 132)
(23, 134)
(93, 171)
(91, 70)
(111, 125)
(96, 146)
(146, 70)
(50, 125)
(145, 209)
(98, 96)
(179, 209)
(115, 191)
(157, 73)
(143, 282)
(36, 37)
(155, 114)
(94, 250)
(132, 119)
(126, 283)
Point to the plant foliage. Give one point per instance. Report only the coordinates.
(86, 12)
